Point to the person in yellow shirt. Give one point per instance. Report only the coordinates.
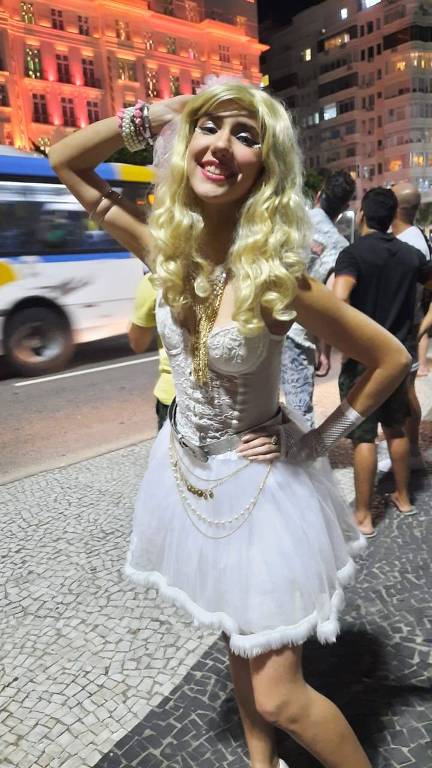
(141, 333)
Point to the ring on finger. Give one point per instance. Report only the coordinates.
(275, 441)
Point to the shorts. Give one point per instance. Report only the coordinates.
(392, 413)
(161, 413)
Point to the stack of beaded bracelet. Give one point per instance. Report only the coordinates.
(134, 124)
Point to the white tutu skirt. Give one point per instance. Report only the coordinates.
(270, 576)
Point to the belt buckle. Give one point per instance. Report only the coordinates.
(196, 450)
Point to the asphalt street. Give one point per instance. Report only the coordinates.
(102, 402)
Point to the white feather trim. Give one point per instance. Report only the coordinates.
(248, 646)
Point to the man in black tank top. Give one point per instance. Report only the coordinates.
(378, 275)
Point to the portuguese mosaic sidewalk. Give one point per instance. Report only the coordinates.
(94, 672)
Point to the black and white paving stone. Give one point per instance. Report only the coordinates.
(379, 672)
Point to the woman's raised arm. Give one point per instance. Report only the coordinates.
(75, 158)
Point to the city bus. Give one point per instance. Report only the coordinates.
(63, 280)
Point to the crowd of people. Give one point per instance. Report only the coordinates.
(238, 520)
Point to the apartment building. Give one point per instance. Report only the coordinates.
(357, 75)
(68, 64)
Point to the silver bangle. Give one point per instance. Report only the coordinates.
(108, 194)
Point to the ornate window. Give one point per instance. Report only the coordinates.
(84, 25)
(4, 97)
(93, 111)
(68, 110)
(63, 71)
(88, 73)
(57, 21)
(196, 84)
(224, 54)
(40, 111)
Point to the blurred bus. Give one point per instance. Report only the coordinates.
(63, 280)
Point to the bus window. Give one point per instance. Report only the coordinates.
(45, 218)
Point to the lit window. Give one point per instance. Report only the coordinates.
(148, 41)
(175, 85)
(122, 30)
(316, 118)
(337, 41)
(395, 165)
(417, 159)
(126, 70)
(371, 3)
(32, 63)
(152, 84)
(330, 111)
(171, 44)
(344, 13)
(306, 55)
(192, 13)
(400, 66)
(27, 15)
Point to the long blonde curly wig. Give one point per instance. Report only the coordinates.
(265, 256)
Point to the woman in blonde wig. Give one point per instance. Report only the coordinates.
(238, 520)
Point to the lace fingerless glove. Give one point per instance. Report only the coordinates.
(299, 446)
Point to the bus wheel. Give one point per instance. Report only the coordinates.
(37, 341)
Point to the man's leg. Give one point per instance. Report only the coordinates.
(399, 450)
(365, 467)
(297, 378)
(412, 423)
(423, 347)
(365, 452)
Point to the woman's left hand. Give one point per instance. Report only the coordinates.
(260, 446)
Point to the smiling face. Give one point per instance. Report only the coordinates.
(224, 155)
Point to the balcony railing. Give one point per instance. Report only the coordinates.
(188, 10)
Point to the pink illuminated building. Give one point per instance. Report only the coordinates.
(63, 65)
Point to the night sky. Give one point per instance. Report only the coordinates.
(281, 11)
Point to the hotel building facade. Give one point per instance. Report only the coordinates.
(65, 65)
(357, 76)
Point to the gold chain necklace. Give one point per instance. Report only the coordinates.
(237, 519)
(206, 310)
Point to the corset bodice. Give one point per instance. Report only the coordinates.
(244, 376)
